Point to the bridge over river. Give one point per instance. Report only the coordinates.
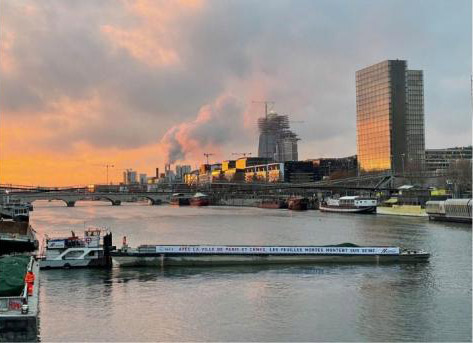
(71, 197)
(217, 190)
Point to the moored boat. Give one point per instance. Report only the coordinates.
(200, 199)
(349, 204)
(454, 210)
(92, 250)
(273, 203)
(17, 237)
(207, 255)
(297, 203)
(180, 199)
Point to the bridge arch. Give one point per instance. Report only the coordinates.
(115, 202)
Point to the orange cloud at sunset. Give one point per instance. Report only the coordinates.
(139, 83)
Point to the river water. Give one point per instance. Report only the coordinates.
(408, 302)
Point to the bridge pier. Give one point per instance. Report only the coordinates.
(70, 203)
(116, 202)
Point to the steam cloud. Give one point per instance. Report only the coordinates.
(216, 125)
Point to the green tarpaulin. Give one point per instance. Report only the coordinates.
(12, 275)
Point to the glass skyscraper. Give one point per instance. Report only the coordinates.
(390, 117)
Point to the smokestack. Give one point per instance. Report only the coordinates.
(157, 173)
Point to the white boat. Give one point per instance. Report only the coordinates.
(350, 204)
(92, 250)
(455, 210)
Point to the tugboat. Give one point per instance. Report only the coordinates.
(350, 204)
(92, 250)
(180, 199)
(200, 199)
(297, 203)
(273, 203)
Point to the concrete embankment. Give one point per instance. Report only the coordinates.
(245, 202)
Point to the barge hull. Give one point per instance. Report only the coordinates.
(162, 260)
(367, 210)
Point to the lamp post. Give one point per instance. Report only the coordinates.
(402, 156)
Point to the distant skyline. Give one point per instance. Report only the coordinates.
(138, 83)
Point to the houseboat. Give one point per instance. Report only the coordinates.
(91, 250)
(208, 255)
(349, 204)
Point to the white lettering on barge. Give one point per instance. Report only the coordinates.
(268, 250)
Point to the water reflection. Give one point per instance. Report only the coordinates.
(392, 302)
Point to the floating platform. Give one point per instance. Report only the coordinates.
(208, 255)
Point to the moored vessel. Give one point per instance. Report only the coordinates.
(349, 204)
(274, 203)
(208, 255)
(454, 210)
(297, 203)
(91, 250)
(180, 199)
(200, 199)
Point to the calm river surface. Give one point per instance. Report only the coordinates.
(410, 302)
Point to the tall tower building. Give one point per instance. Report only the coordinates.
(390, 117)
(276, 140)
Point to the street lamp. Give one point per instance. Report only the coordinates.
(402, 156)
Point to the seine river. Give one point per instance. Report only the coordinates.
(410, 302)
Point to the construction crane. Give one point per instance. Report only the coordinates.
(105, 166)
(244, 154)
(266, 103)
(207, 154)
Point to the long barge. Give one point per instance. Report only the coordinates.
(208, 255)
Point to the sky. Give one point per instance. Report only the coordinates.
(140, 83)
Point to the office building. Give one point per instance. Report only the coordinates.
(390, 118)
(143, 179)
(181, 171)
(129, 177)
(440, 159)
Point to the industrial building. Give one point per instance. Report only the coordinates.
(390, 118)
